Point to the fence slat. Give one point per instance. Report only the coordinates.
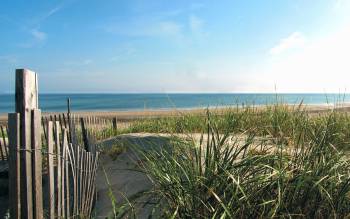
(37, 164)
(115, 125)
(88, 165)
(2, 156)
(93, 192)
(14, 165)
(44, 127)
(3, 129)
(71, 155)
(58, 169)
(73, 131)
(67, 182)
(63, 165)
(86, 196)
(84, 134)
(4, 143)
(81, 178)
(78, 177)
(50, 168)
(26, 167)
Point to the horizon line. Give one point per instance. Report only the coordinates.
(165, 93)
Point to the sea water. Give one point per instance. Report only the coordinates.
(161, 101)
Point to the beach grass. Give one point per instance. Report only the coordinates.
(280, 161)
(280, 121)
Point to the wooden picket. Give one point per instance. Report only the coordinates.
(3, 143)
(14, 166)
(2, 149)
(51, 170)
(37, 164)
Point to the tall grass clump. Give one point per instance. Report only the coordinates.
(287, 165)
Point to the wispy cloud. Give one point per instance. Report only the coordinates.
(37, 38)
(38, 35)
(82, 62)
(169, 28)
(123, 52)
(196, 6)
(195, 23)
(52, 11)
(147, 28)
(35, 30)
(33, 27)
(157, 27)
(293, 41)
(8, 58)
(169, 24)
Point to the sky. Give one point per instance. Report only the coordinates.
(165, 46)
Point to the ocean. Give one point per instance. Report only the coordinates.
(161, 101)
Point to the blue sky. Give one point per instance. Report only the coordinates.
(177, 46)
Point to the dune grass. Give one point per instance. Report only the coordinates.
(249, 163)
(280, 121)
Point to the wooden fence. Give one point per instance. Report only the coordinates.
(83, 130)
(51, 175)
(71, 172)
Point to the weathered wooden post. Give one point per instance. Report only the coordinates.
(115, 125)
(70, 134)
(68, 106)
(85, 135)
(29, 159)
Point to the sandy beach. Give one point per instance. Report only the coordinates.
(127, 116)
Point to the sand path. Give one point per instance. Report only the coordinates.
(122, 175)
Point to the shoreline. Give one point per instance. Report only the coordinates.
(133, 115)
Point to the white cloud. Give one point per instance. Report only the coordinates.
(195, 23)
(295, 40)
(168, 28)
(339, 5)
(322, 65)
(87, 61)
(38, 35)
(37, 38)
(197, 33)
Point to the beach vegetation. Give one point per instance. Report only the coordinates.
(276, 162)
